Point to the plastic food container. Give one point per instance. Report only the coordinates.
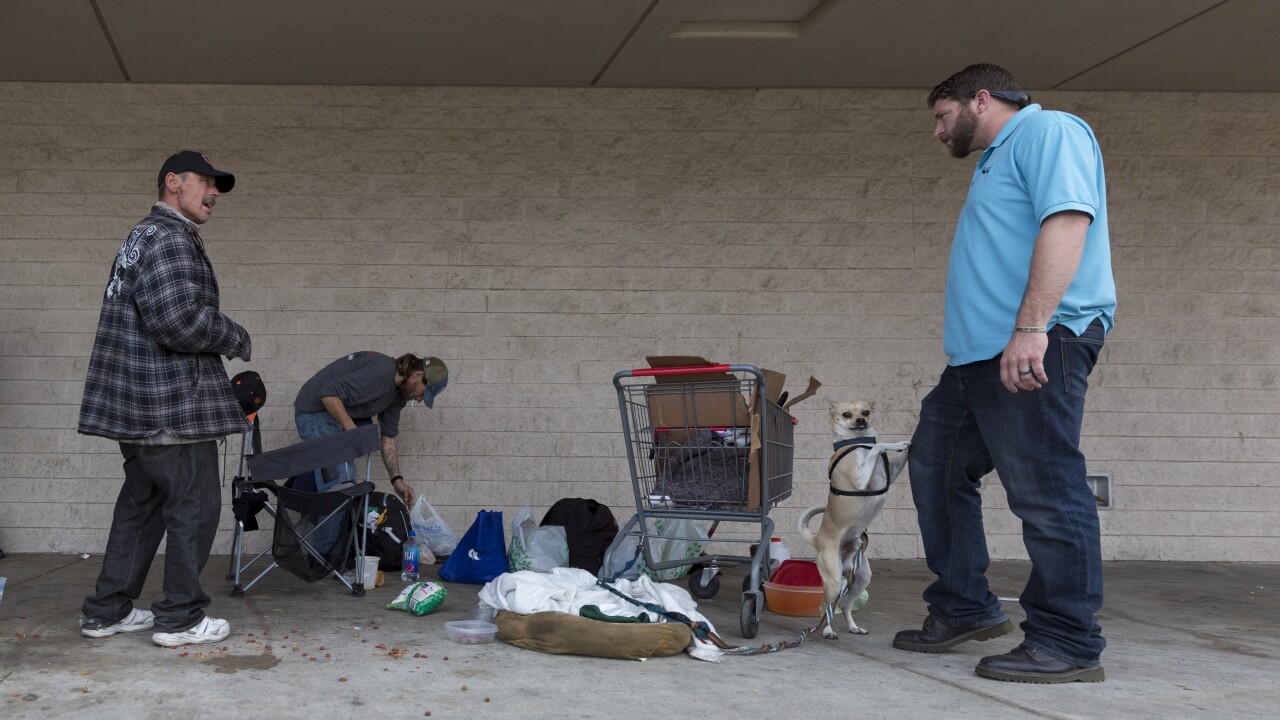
(796, 600)
(474, 632)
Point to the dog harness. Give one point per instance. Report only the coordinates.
(843, 448)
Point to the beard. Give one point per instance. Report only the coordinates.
(960, 140)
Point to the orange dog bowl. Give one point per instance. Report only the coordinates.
(795, 600)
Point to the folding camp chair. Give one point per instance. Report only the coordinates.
(314, 531)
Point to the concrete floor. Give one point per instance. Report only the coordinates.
(1186, 640)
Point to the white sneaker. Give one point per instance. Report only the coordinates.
(136, 621)
(208, 630)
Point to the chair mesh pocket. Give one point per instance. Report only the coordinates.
(313, 532)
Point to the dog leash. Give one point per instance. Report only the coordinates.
(703, 631)
(700, 630)
(827, 614)
(843, 449)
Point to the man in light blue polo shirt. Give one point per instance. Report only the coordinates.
(1029, 300)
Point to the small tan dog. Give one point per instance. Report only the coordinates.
(860, 473)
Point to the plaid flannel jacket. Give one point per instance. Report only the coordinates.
(155, 363)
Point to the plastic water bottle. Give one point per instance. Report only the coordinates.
(777, 553)
(409, 571)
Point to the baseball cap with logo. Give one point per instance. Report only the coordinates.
(249, 391)
(190, 160)
(435, 377)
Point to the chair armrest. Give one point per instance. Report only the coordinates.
(316, 453)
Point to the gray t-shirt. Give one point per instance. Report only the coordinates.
(365, 382)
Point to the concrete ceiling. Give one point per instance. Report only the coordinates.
(1194, 45)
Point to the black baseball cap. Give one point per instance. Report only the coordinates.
(185, 160)
(249, 391)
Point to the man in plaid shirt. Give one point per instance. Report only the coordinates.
(157, 385)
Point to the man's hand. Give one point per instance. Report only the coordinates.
(1022, 363)
(391, 458)
(405, 491)
(1054, 261)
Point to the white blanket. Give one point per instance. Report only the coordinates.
(567, 590)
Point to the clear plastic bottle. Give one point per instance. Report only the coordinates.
(777, 553)
(412, 556)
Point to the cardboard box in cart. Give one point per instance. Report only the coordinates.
(717, 403)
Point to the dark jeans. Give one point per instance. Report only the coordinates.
(171, 488)
(969, 425)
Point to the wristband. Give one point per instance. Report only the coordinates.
(1030, 329)
(394, 478)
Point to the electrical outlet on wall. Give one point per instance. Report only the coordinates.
(1100, 483)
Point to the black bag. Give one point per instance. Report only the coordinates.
(589, 527)
(388, 529)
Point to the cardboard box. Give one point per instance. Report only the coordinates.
(700, 400)
(714, 399)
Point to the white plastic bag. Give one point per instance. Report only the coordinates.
(676, 549)
(663, 549)
(536, 548)
(619, 563)
(428, 525)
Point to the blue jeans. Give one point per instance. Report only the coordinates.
(169, 489)
(312, 425)
(970, 425)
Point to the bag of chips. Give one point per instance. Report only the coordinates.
(419, 598)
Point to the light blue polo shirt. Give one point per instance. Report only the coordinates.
(1042, 162)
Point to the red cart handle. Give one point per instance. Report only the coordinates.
(686, 370)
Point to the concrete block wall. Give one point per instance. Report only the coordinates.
(541, 239)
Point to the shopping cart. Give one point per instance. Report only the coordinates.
(698, 451)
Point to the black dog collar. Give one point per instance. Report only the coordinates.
(867, 441)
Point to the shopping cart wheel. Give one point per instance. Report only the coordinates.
(700, 590)
(749, 623)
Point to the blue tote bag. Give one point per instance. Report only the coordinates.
(481, 555)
